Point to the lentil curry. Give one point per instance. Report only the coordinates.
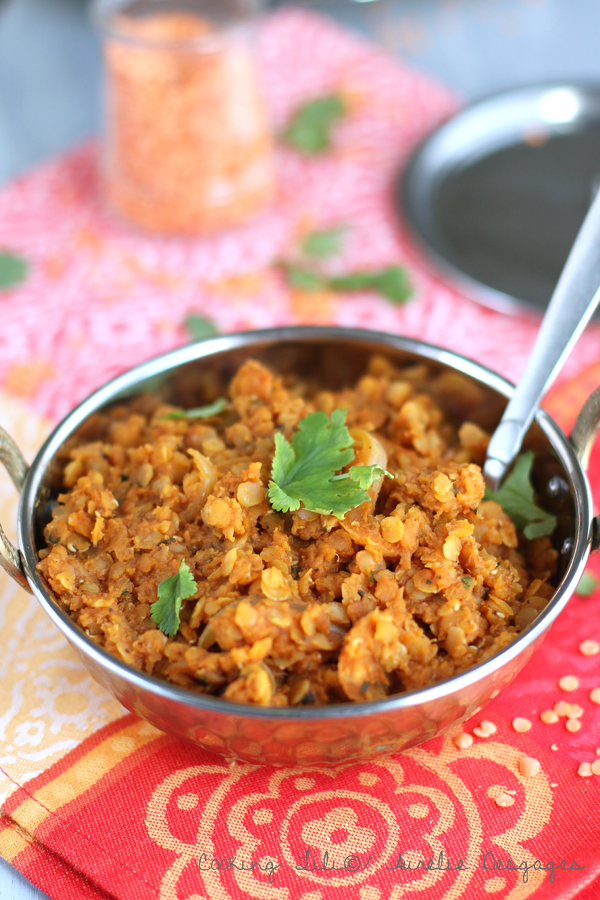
(419, 582)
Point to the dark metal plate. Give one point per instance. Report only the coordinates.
(497, 194)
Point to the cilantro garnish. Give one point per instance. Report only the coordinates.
(311, 125)
(199, 328)
(165, 611)
(304, 279)
(13, 269)
(587, 585)
(323, 243)
(304, 269)
(392, 283)
(363, 475)
(516, 498)
(199, 412)
(304, 471)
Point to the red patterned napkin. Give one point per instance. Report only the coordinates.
(100, 804)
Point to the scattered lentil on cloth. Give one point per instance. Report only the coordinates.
(529, 767)
(485, 729)
(521, 725)
(568, 683)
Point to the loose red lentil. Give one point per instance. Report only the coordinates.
(589, 648)
(596, 767)
(463, 741)
(298, 608)
(521, 725)
(568, 683)
(485, 729)
(573, 725)
(554, 746)
(529, 767)
(504, 799)
(548, 717)
(562, 708)
(585, 770)
(595, 695)
(575, 712)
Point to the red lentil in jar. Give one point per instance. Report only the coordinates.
(187, 149)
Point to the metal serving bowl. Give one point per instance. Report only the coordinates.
(330, 357)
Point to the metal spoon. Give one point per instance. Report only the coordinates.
(573, 302)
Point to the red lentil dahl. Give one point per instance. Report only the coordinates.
(420, 582)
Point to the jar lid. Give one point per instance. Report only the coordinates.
(497, 194)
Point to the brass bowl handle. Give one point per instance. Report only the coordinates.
(583, 436)
(15, 465)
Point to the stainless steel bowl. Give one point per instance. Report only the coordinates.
(197, 373)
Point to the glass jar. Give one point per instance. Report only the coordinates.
(187, 149)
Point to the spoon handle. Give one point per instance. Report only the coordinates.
(575, 298)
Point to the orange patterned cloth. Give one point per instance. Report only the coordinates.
(97, 803)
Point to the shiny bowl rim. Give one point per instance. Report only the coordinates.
(121, 386)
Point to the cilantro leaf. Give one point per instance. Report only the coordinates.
(199, 412)
(587, 585)
(310, 127)
(304, 279)
(516, 498)
(323, 243)
(367, 475)
(165, 611)
(304, 470)
(13, 270)
(354, 281)
(198, 327)
(391, 283)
